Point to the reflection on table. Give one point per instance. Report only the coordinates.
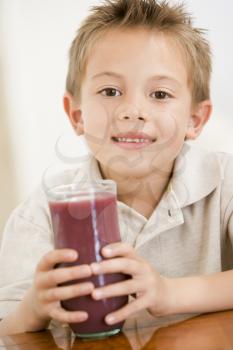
(206, 332)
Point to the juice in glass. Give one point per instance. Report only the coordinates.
(84, 217)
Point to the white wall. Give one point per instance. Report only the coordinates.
(36, 36)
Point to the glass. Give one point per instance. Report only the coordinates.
(84, 218)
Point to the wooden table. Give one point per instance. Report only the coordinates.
(206, 332)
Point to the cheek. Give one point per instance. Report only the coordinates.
(172, 126)
(96, 124)
(168, 128)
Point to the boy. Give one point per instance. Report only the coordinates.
(137, 87)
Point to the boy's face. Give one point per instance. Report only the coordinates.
(135, 108)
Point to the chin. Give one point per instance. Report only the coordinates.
(128, 171)
(132, 166)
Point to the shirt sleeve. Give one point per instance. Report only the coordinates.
(230, 223)
(228, 237)
(26, 238)
(227, 215)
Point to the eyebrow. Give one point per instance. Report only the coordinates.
(119, 76)
(107, 74)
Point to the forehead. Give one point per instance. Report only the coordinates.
(141, 51)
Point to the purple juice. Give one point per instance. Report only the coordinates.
(87, 224)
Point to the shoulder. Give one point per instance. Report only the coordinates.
(224, 185)
(197, 173)
(206, 162)
(226, 165)
(33, 212)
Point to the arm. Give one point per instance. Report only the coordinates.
(41, 303)
(200, 293)
(23, 319)
(207, 293)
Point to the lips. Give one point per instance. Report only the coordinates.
(132, 140)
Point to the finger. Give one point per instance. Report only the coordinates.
(124, 265)
(68, 292)
(117, 289)
(61, 275)
(118, 249)
(64, 316)
(128, 310)
(56, 256)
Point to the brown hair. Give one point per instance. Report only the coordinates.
(161, 16)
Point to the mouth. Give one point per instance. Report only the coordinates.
(132, 140)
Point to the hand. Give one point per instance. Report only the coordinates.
(149, 287)
(45, 293)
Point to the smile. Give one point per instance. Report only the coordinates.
(123, 139)
(131, 143)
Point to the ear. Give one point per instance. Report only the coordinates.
(73, 112)
(199, 117)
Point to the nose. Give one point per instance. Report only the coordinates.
(130, 113)
(130, 117)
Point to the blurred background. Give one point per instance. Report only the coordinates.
(34, 40)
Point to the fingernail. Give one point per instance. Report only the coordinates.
(110, 319)
(95, 267)
(107, 251)
(97, 294)
(72, 255)
(83, 317)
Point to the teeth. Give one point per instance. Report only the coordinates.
(124, 139)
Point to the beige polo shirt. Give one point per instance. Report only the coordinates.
(189, 233)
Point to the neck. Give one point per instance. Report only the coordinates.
(140, 193)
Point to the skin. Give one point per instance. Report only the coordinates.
(161, 108)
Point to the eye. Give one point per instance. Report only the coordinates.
(161, 95)
(110, 92)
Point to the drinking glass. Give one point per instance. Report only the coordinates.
(84, 218)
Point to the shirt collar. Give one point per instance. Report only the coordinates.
(196, 174)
